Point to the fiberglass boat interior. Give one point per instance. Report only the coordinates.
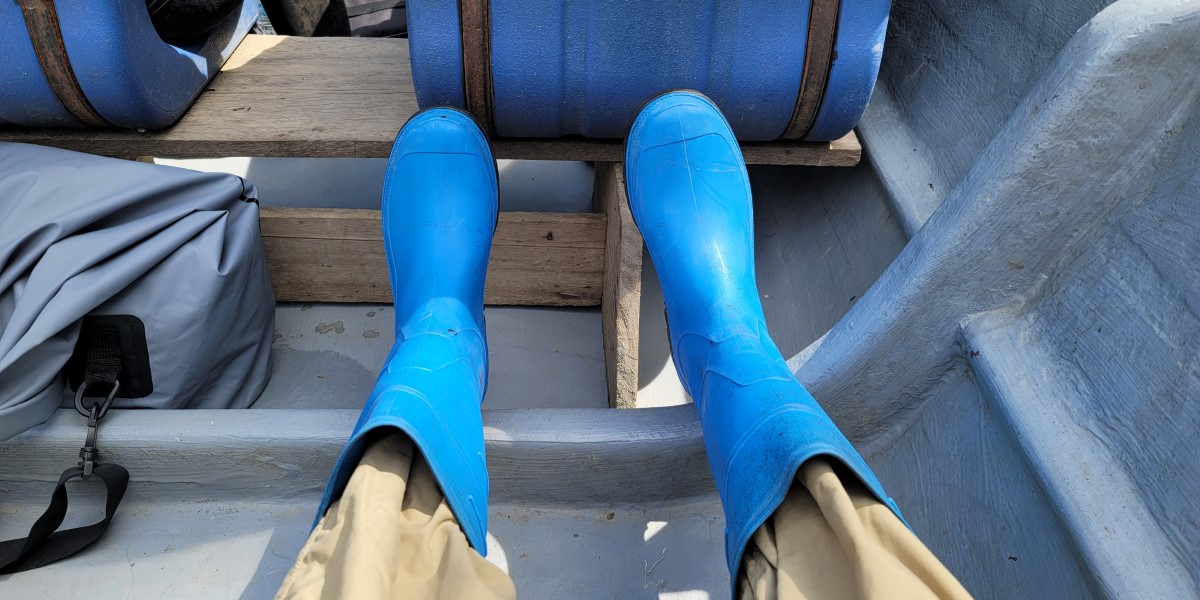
(1000, 306)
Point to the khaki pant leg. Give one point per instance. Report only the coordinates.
(831, 539)
(391, 535)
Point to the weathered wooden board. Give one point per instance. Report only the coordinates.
(340, 97)
(621, 308)
(843, 152)
(337, 255)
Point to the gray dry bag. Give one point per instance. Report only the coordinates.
(153, 276)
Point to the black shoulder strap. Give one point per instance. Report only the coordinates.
(44, 544)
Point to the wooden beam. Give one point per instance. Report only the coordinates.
(621, 307)
(337, 255)
(843, 152)
(341, 97)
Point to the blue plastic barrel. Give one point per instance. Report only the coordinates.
(118, 71)
(548, 68)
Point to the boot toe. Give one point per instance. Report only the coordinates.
(439, 209)
(680, 145)
(676, 118)
(441, 131)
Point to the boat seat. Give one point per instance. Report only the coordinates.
(347, 97)
(102, 63)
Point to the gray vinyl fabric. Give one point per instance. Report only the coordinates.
(178, 249)
(377, 18)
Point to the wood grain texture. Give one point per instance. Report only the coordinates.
(340, 97)
(621, 307)
(842, 152)
(337, 255)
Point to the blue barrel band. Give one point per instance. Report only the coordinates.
(818, 58)
(857, 50)
(476, 23)
(41, 19)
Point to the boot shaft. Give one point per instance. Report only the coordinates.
(690, 195)
(439, 216)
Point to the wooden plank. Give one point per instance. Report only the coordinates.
(277, 96)
(340, 97)
(621, 307)
(843, 152)
(336, 255)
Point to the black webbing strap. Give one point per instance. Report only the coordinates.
(103, 357)
(44, 544)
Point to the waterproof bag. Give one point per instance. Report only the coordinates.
(138, 284)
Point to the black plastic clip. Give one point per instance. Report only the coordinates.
(89, 452)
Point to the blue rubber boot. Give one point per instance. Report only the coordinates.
(690, 196)
(439, 214)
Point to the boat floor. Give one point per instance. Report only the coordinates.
(1022, 376)
(328, 356)
(222, 507)
(221, 501)
(207, 547)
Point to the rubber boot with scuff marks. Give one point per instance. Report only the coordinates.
(439, 216)
(690, 196)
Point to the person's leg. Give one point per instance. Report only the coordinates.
(831, 539)
(392, 534)
(439, 215)
(690, 196)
